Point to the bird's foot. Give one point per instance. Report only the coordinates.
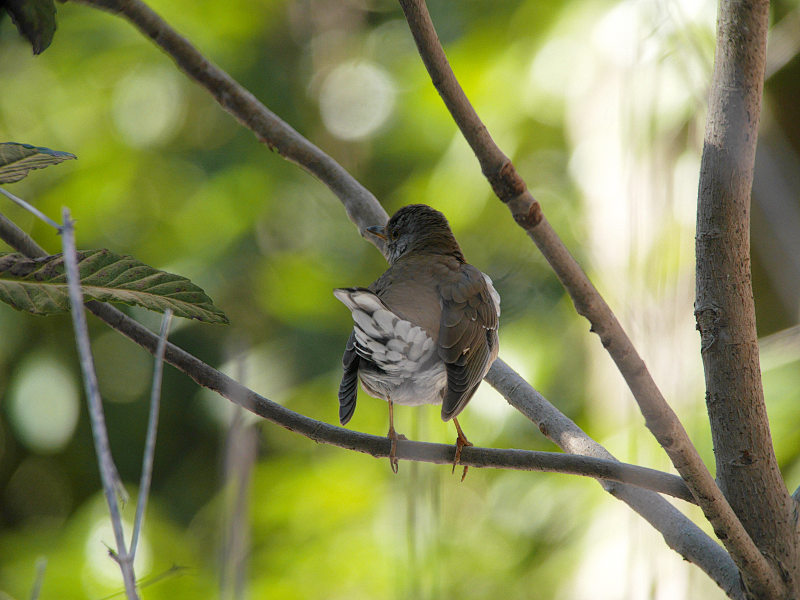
(394, 436)
(461, 441)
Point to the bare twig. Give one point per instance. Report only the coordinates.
(152, 429)
(108, 471)
(511, 189)
(241, 452)
(30, 208)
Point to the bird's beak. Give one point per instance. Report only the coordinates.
(377, 231)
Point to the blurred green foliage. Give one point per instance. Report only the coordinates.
(165, 175)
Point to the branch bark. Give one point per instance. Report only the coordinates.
(660, 419)
(747, 470)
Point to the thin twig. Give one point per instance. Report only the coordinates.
(511, 189)
(30, 208)
(241, 453)
(152, 579)
(97, 418)
(152, 429)
(18, 239)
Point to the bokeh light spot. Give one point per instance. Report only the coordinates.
(355, 99)
(43, 404)
(147, 106)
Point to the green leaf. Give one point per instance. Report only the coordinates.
(39, 285)
(35, 20)
(17, 159)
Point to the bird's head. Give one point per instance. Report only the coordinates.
(417, 228)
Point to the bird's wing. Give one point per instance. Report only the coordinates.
(394, 345)
(348, 388)
(467, 335)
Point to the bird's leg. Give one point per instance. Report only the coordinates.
(461, 441)
(394, 436)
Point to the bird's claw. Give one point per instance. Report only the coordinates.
(461, 441)
(394, 437)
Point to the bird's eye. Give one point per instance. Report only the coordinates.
(393, 235)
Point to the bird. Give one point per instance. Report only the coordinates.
(425, 331)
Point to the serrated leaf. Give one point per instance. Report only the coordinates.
(39, 285)
(17, 159)
(35, 20)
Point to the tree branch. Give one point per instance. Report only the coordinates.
(152, 431)
(512, 190)
(747, 470)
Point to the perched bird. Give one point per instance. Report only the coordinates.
(425, 332)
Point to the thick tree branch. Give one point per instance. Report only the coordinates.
(659, 416)
(747, 470)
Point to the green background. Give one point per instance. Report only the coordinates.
(600, 104)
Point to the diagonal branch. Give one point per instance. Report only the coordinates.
(659, 416)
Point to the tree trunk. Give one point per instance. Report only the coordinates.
(747, 470)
